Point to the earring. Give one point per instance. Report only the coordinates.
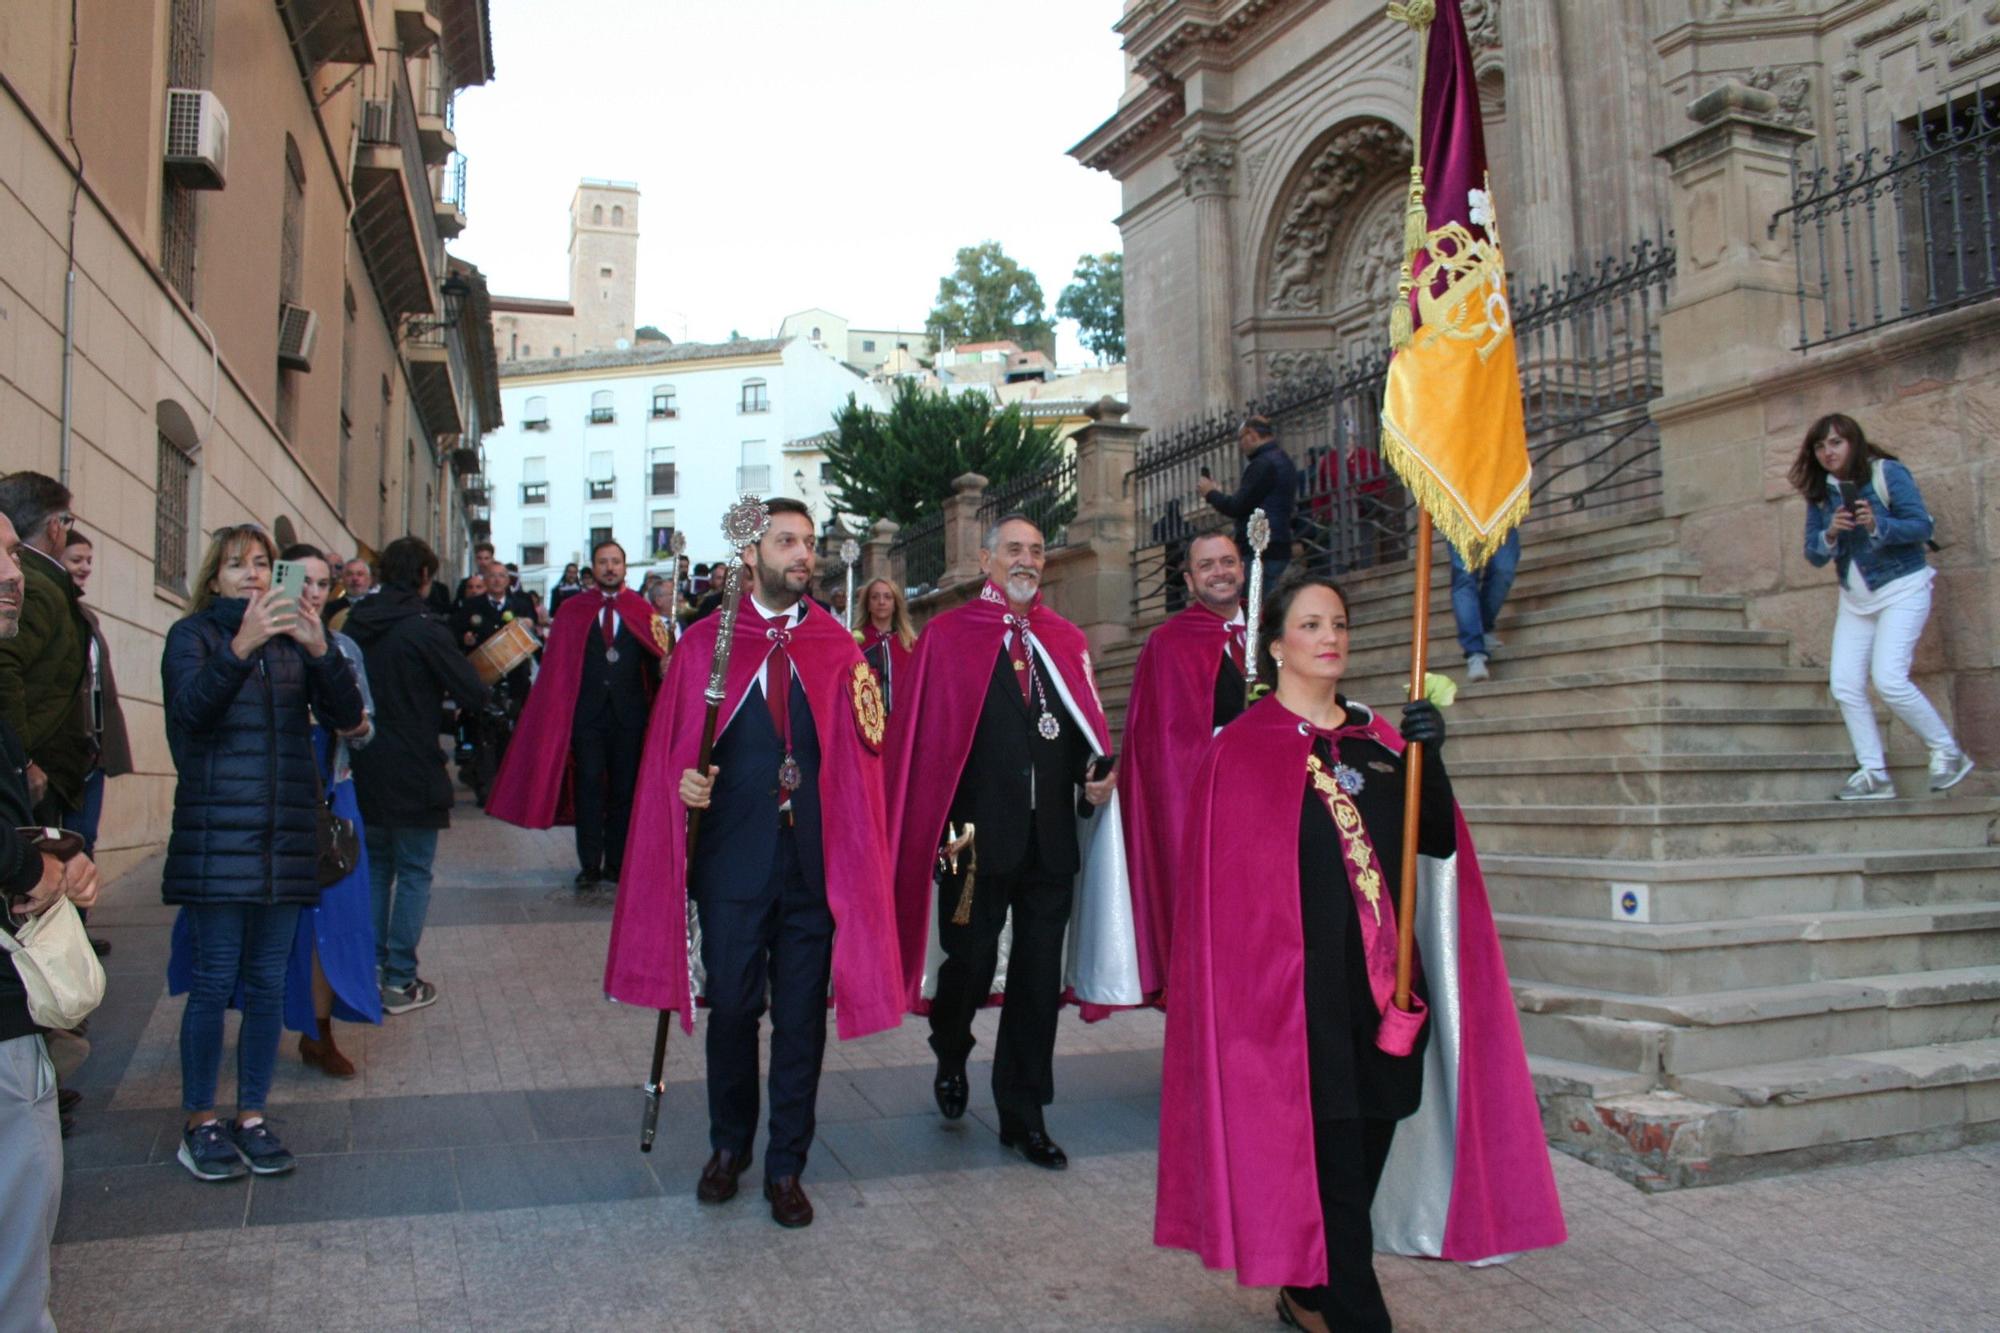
(1278, 662)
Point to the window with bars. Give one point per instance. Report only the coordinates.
(664, 402)
(534, 481)
(291, 273)
(664, 480)
(600, 533)
(187, 61)
(756, 397)
(173, 485)
(601, 412)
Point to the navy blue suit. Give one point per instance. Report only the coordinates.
(759, 883)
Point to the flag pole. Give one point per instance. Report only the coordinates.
(1413, 767)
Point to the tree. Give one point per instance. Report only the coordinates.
(1096, 301)
(987, 297)
(900, 464)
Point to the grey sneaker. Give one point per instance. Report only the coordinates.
(1493, 643)
(1475, 667)
(1948, 768)
(261, 1150)
(208, 1154)
(402, 999)
(1866, 786)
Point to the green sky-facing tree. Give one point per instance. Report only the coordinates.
(988, 297)
(1096, 301)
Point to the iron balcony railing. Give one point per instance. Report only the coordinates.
(451, 182)
(1047, 497)
(1901, 228)
(1588, 350)
(919, 548)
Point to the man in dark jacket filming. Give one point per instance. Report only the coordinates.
(400, 779)
(1270, 483)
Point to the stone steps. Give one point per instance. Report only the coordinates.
(1734, 888)
(1582, 647)
(1645, 731)
(1672, 779)
(1689, 958)
(1741, 829)
(1542, 552)
(1636, 607)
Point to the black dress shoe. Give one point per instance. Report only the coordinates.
(789, 1205)
(718, 1178)
(585, 879)
(952, 1092)
(1037, 1147)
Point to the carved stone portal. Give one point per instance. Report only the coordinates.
(1352, 163)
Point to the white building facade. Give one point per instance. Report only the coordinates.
(639, 444)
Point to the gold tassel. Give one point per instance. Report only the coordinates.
(1416, 223)
(962, 914)
(1401, 325)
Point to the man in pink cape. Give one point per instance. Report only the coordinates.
(1188, 685)
(1467, 1177)
(998, 728)
(790, 878)
(575, 754)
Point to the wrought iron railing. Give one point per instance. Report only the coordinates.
(1047, 497)
(1588, 348)
(1899, 229)
(451, 182)
(919, 551)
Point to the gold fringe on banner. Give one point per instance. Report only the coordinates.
(1447, 515)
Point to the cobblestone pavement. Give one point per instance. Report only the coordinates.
(483, 1172)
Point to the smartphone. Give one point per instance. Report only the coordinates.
(1842, 493)
(1099, 767)
(288, 580)
(1205, 474)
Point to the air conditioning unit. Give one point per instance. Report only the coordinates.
(298, 330)
(197, 138)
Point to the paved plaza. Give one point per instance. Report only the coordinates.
(483, 1172)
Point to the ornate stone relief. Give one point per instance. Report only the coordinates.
(1792, 86)
(1312, 213)
(1205, 163)
(1253, 165)
(1482, 25)
(1282, 366)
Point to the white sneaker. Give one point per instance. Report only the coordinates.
(1866, 786)
(1948, 768)
(1475, 667)
(1492, 641)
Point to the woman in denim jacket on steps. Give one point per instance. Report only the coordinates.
(1876, 541)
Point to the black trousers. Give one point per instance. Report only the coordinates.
(1024, 1078)
(1351, 1154)
(781, 943)
(607, 770)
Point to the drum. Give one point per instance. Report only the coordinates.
(506, 650)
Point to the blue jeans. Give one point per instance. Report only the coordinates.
(86, 818)
(1476, 599)
(399, 877)
(235, 943)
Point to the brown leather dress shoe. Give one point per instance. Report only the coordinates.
(718, 1178)
(789, 1205)
(322, 1052)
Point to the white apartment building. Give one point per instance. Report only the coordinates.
(637, 444)
(864, 349)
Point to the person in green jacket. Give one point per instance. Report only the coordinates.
(43, 669)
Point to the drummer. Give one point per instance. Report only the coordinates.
(400, 778)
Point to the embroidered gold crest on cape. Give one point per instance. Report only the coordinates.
(869, 714)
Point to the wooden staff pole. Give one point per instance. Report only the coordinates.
(1413, 767)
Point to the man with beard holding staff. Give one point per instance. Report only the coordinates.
(999, 725)
(576, 751)
(1188, 685)
(790, 874)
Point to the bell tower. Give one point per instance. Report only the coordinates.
(604, 263)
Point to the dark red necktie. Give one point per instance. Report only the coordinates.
(1236, 646)
(1018, 651)
(778, 682)
(606, 621)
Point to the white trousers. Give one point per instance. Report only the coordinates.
(1877, 646)
(31, 1167)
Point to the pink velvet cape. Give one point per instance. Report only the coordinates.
(648, 960)
(533, 787)
(937, 705)
(1168, 725)
(1236, 1170)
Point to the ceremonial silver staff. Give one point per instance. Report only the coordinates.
(676, 547)
(1259, 532)
(743, 525)
(850, 551)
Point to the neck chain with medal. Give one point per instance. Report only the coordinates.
(610, 639)
(789, 773)
(1046, 725)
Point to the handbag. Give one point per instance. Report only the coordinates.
(339, 848)
(58, 968)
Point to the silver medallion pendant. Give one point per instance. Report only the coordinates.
(611, 654)
(1046, 725)
(1349, 780)
(789, 776)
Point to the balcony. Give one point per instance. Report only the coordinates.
(448, 189)
(394, 224)
(417, 26)
(602, 416)
(435, 113)
(329, 32)
(603, 490)
(437, 373)
(534, 492)
(465, 463)
(474, 487)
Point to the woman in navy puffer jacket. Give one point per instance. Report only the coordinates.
(241, 675)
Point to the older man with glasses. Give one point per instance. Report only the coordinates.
(44, 668)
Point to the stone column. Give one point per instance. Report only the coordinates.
(1538, 104)
(1207, 162)
(1099, 597)
(876, 562)
(962, 536)
(1735, 309)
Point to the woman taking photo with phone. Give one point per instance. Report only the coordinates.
(241, 674)
(1865, 514)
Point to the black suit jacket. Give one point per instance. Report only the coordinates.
(1018, 789)
(739, 830)
(617, 693)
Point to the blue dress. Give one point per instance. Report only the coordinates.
(341, 925)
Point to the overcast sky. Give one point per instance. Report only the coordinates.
(793, 153)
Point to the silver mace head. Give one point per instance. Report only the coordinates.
(1258, 530)
(744, 523)
(850, 551)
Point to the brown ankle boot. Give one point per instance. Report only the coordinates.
(324, 1053)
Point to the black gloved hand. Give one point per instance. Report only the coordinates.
(1423, 723)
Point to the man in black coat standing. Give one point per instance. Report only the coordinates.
(400, 779)
(1270, 483)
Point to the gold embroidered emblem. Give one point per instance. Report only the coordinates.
(1353, 835)
(869, 714)
(661, 636)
